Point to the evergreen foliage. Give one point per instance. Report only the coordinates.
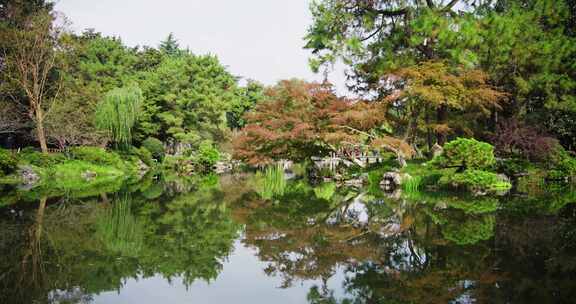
(466, 153)
(247, 98)
(186, 100)
(155, 146)
(170, 45)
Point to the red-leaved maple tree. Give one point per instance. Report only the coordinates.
(299, 120)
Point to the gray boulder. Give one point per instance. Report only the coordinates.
(88, 175)
(437, 150)
(28, 176)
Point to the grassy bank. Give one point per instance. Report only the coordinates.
(77, 170)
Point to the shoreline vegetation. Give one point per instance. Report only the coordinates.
(426, 118)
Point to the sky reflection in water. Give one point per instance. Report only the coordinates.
(242, 280)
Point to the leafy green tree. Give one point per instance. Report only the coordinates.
(70, 121)
(526, 48)
(90, 65)
(247, 98)
(29, 65)
(186, 99)
(98, 64)
(375, 37)
(15, 12)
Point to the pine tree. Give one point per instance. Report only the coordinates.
(170, 45)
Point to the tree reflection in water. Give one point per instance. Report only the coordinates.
(432, 248)
(404, 248)
(85, 247)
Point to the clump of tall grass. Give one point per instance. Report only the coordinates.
(325, 191)
(273, 183)
(413, 184)
(119, 229)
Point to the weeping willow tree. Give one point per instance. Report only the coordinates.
(117, 113)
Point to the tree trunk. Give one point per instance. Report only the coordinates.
(441, 114)
(40, 133)
(494, 120)
(412, 125)
(428, 131)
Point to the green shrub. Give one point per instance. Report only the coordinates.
(562, 165)
(207, 155)
(155, 146)
(32, 157)
(97, 156)
(7, 162)
(475, 181)
(144, 155)
(325, 191)
(466, 153)
(180, 165)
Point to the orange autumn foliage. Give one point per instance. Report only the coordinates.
(299, 119)
(456, 96)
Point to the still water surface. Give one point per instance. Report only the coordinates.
(216, 240)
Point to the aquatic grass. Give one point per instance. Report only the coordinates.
(118, 228)
(413, 184)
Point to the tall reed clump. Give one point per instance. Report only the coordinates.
(273, 183)
(412, 185)
(119, 229)
(118, 112)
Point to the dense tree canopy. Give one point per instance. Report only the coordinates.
(525, 49)
(186, 99)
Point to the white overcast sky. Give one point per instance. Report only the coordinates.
(255, 39)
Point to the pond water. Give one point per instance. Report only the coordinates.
(216, 240)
